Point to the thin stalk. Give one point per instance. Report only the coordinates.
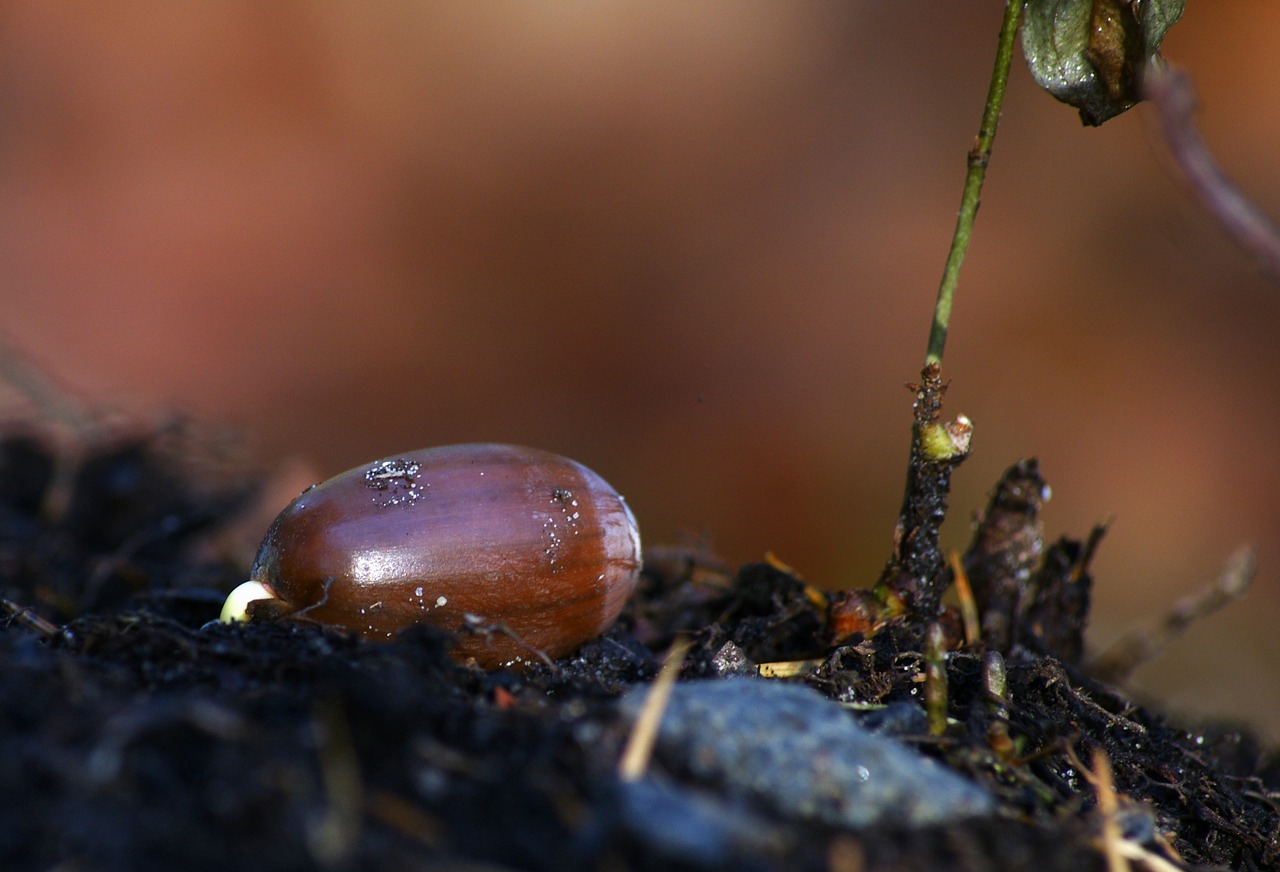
(979, 156)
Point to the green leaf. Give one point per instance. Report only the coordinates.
(1091, 53)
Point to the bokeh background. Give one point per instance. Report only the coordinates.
(694, 245)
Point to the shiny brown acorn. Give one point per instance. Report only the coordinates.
(520, 552)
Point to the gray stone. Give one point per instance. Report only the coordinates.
(790, 748)
(695, 827)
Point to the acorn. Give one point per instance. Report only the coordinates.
(522, 554)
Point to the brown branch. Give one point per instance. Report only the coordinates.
(1169, 90)
(1130, 651)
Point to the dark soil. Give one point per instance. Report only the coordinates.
(136, 735)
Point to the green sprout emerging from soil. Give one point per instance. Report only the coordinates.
(1102, 57)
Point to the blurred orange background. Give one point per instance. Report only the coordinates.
(694, 246)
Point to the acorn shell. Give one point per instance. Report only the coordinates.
(517, 550)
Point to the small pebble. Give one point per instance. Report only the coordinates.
(732, 660)
(792, 749)
(897, 719)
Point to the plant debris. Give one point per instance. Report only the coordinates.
(137, 733)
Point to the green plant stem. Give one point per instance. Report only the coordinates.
(979, 156)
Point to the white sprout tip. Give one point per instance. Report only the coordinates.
(237, 605)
